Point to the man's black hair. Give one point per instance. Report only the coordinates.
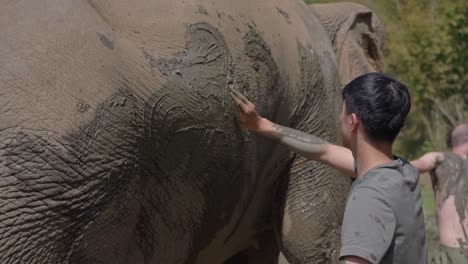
(381, 102)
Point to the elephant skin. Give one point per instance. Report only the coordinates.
(119, 142)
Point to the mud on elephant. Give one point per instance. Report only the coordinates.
(118, 140)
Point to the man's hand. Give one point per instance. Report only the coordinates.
(247, 112)
(306, 145)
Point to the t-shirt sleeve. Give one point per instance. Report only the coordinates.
(368, 226)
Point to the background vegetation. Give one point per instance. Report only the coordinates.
(426, 47)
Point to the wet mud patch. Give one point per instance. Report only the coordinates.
(194, 96)
(107, 153)
(108, 43)
(266, 84)
(205, 61)
(450, 178)
(82, 107)
(191, 144)
(310, 92)
(75, 178)
(202, 10)
(377, 220)
(193, 139)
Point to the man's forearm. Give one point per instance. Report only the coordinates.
(309, 146)
(302, 143)
(428, 161)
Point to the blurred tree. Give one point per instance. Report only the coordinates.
(426, 48)
(432, 61)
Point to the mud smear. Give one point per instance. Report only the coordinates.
(82, 107)
(377, 220)
(78, 178)
(105, 170)
(267, 82)
(164, 66)
(284, 14)
(202, 10)
(191, 145)
(452, 179)
(310, 91)
(264, 85)
(106, 41)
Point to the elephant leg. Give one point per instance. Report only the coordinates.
(312, 204)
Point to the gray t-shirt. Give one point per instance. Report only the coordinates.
(383, 220)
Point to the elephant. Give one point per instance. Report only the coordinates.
(119, 142)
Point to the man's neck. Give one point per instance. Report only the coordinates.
(369, 155)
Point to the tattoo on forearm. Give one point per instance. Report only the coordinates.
(298, 141)
(281, 132)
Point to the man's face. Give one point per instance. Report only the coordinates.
(345, 126)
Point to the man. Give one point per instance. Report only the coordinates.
(383, 220)
(449, 174)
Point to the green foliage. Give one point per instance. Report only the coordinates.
(434, 65)
(429, 212)
(430, 58)
(426, 48)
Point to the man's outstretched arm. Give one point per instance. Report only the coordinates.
(304, 144)
(428, 161)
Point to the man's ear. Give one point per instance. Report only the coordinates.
(355, 122)
(357, 36)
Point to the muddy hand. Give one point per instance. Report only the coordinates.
(247, 113)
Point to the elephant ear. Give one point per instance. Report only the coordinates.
(357, 35)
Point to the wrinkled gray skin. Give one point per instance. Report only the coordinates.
(119, 143)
